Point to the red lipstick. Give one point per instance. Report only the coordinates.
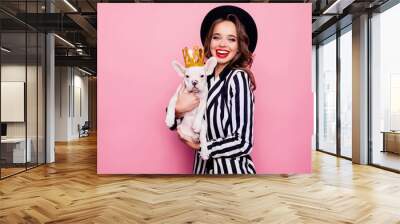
(221, 53)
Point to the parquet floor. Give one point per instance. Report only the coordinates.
(70, 191)
(10, 171)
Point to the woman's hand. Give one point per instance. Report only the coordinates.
(186, 102)
(194, 146)
(191, 144)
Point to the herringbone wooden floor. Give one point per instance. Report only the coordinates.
(70, 191)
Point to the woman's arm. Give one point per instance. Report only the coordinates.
(191, 144)
(185, 102)
(241, 103)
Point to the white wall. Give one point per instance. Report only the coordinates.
(81, 102)
(62, 81)
(71, 93)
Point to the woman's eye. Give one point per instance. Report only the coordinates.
(232, 40)
(202, 76)
(186, 76)
(215, 38)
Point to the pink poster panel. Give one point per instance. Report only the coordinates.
(136, 45)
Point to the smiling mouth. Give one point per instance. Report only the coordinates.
(222, 53)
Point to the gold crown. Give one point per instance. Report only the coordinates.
(193, 57)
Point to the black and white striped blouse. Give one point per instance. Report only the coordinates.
(230, 118)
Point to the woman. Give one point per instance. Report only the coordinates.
(230, 102)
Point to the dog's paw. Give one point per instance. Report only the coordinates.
(196, 127)
(204, 154)
(170, 121)
(196, 138)
(196, 130)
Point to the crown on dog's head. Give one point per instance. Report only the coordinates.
(193, 57)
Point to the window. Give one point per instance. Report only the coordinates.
(385, 88)
(346, 74)
(22, 77)
(327, 95)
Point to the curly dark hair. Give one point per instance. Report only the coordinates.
(244, 58)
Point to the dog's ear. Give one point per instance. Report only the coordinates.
(179, 68)
(210, 65)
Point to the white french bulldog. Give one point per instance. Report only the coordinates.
(192, 127)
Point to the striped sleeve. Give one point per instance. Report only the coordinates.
(241, 104)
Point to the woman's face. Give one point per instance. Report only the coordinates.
(224, 42)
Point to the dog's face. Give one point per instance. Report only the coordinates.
(195, 78)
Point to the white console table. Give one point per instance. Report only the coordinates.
(18, 149)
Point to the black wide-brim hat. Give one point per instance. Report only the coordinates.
(222, 12)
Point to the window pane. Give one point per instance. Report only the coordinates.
(31, 100)
(327, 96)
(346, 93)
(22, 88)
(14, 153)
(41, 98)
(386, 88)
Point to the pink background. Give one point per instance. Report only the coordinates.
(136, 44)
